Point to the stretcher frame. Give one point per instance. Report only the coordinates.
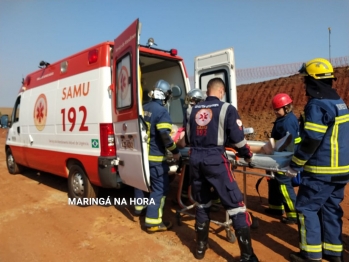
(235, 163)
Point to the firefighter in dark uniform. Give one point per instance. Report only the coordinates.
(323, 156)
(159, 128)
(281, 195)
(210, 126)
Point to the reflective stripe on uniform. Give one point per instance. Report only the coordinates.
(315, 127)
(332, 247)
(156, 158)
(164, 126)
(326, 169)
(235, 211)
(288, 200)
(158, 220)
(298, 161)
(222, 114)
(297, 140)
(187, 129)
(303, 233)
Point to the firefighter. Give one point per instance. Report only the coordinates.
(210, 126)
(323, 156)
(281, 195)
(159, 128)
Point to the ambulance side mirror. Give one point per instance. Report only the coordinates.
(9, 123)
(176, 92)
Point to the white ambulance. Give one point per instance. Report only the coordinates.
(81, 117)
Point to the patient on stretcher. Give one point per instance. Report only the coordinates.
(272, 146)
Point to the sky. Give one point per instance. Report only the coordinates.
(262, 32)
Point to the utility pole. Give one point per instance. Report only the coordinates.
(329, 43)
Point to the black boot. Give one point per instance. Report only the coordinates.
(201, 239)
(244, 239)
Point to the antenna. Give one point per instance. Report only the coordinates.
(329, 43)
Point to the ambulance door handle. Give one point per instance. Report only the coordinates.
(18, 130)
(124, 127)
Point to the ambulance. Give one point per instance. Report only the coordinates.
(81, 117)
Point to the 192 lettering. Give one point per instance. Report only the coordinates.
(72, 118)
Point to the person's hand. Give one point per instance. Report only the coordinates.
(291, 172)
(248, 159)
(176, 156)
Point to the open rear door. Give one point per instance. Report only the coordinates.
(129, 126)
(217, 64)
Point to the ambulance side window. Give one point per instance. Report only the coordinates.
(15, 113)
(123, 83)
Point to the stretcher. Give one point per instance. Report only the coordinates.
(271, 163)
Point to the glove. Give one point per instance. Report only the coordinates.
(248, 160)
(176, 156)
(291, 172)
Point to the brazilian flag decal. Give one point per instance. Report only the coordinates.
(95, 143)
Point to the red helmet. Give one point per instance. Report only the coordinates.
(281, 100)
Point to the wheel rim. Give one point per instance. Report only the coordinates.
(78, 184)
(10, 162)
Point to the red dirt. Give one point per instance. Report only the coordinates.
(37, 224)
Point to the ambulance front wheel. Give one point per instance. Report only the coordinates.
(12, 166)
(79, 186)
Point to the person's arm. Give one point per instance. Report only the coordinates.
(164, 127)
(235, 134)
(315, 127)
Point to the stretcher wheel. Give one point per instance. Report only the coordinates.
(230, 236)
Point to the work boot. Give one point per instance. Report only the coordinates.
(244, 240)
(298, 257)
(333, 258)
(283, 143)
(289, 220)
(164, 226)
(201, 239)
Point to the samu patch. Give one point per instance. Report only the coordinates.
(239, 123)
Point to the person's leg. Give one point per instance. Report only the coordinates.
(139, 210)
(159, 189)
(200, 192)
(275, 202)
(219, 174)
(312, 195)
(331, 217)
(288, 197)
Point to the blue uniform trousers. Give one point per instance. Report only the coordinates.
(159, 189)
(281, 195)
(320, 217)
(209, 167)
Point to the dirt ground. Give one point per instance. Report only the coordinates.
(37, 224)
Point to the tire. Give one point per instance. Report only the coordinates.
(230, 236)
(79, 186)
(12, 166)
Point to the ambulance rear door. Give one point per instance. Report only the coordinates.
(129, 126)
(217, 64)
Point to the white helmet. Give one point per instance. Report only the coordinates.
(162, 91)
(194, 97)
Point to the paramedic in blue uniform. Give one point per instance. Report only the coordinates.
(323, 156)
(281, 194)
(210, 126)
(159, 128)
(193, 97)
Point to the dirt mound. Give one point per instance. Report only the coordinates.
(254, 100)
